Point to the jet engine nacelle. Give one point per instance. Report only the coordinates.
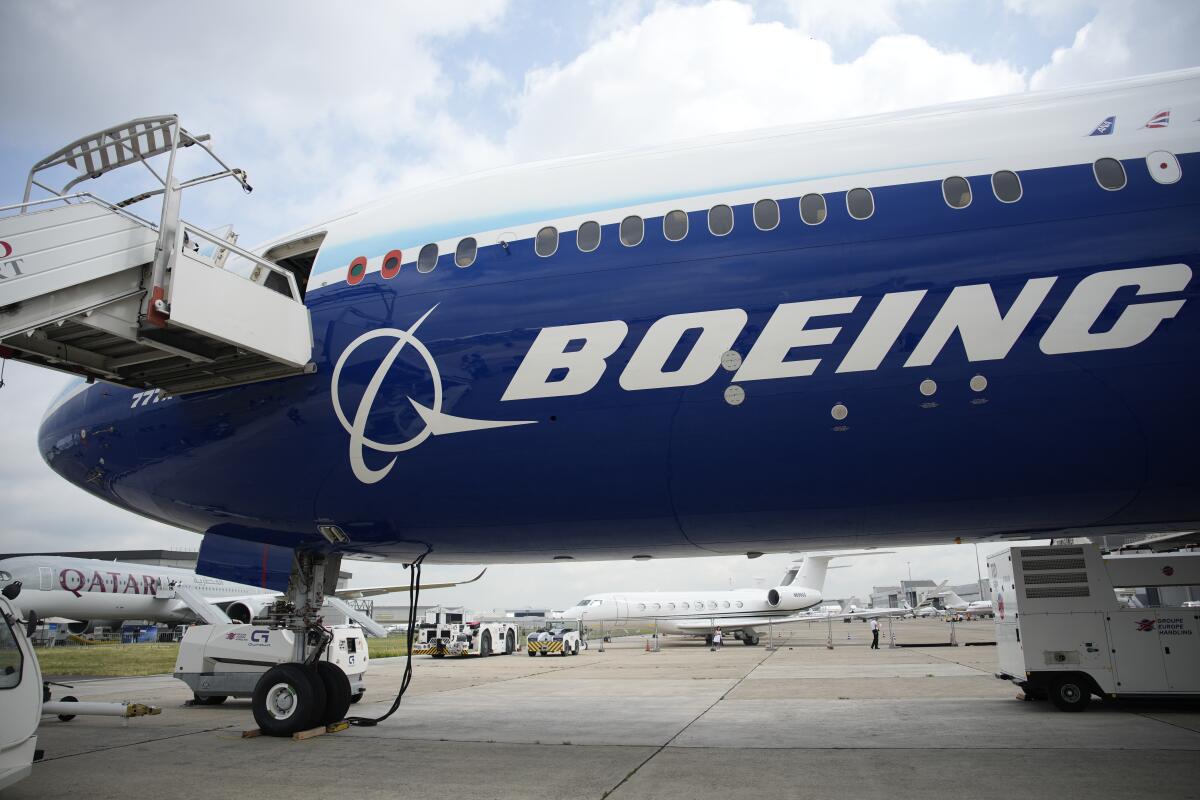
(246, 611)
(89, 626)
(792, 598)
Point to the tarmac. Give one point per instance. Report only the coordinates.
(796, 721)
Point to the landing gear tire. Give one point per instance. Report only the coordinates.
(1069, 693)
(68, 699)
(337, 692)
(708, 640)
(211, 700)
(751, 641)
(485, 645)
(287, 699)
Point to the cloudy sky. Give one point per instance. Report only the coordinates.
(328, 108)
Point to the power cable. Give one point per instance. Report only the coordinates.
(414, 594)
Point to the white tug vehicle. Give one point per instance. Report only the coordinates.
(448, 633)
(555, 641)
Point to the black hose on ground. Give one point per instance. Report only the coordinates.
(414, 594)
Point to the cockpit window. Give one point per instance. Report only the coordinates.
(5, 577)
(791, 576)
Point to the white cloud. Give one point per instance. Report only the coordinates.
(687, 71)
(304, 94)
(1126, 39)
(838, 20)
(483, 75)
(1047, 9)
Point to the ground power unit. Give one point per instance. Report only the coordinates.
(1062, 633)
(221, 661)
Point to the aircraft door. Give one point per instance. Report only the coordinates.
(621, 612)
(46, 577)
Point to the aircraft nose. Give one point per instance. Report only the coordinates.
(63, 434)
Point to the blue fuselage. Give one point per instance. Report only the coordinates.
(1054, 442)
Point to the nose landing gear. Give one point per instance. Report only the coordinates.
(305, 692)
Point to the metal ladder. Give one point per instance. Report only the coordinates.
(90, 288)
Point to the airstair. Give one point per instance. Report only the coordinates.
(88, 287)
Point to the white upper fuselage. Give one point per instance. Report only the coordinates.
(87, 589)
(964, 138)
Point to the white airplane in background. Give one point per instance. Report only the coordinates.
(740, 612)
(952, 602)
(106, 593)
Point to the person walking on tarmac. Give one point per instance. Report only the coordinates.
(717, 639)
(874, 633)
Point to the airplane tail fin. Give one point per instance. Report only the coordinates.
(950, 597)
(928, 593)
(812, 571)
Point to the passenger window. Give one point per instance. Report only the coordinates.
(675, 226)
(641, 606)
(464, 254)
(957, 192)
(860, 203)
(427, 258)
(726, 604)
(1110, 174)
(587, 238)
(1006, 186)
(10, 657)
(658, 606)
(766, 215)
(712, 603)
(720, 220)
(633, 230)
(546, 242)
(686, 606)
(739, 603)
(671, 606)
(812, 209)
(391, 265)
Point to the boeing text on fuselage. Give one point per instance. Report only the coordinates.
(569, 360)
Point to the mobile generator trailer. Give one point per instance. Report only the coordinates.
(1062, 633)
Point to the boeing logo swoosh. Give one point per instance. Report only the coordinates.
(435, 422)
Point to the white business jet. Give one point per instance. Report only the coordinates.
(740, 612)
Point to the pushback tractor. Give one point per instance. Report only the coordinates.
(448, 633)
(1063, 635)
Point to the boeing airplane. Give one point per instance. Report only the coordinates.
(959, 323)
(968, 321)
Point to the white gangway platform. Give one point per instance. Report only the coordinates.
(88, 287)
